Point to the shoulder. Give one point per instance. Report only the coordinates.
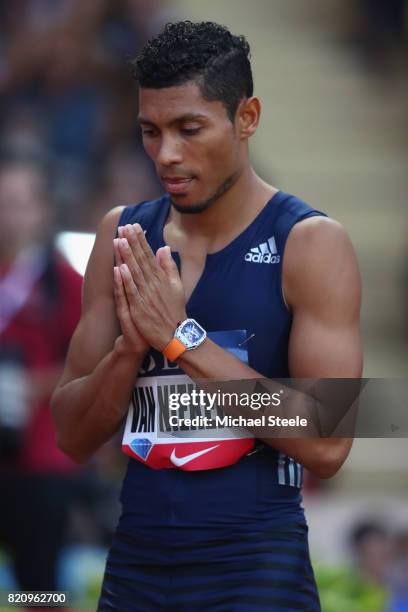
(315, 236)
(98, 273)
(110, 221)
(319, 262)
(120, 215)
(107, 228)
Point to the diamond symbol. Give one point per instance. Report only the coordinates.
(141, 447)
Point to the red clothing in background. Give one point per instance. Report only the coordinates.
(41, 332)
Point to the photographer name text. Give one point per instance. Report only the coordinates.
(239, 421)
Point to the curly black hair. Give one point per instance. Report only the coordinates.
(206, 53)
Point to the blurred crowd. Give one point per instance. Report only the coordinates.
(374, 575)
(67, 97)
(380, 555)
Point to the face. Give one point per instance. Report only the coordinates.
(198, 153)
(23, 213)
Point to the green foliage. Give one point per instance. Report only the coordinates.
(342, 590)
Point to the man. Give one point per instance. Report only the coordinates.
(253, 260)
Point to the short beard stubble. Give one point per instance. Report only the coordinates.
(202, 206)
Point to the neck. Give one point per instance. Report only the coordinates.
(237, 207)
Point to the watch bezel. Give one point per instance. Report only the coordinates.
(188, 344)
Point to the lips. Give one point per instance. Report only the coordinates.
(177, 184)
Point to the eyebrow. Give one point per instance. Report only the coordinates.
(180, 119)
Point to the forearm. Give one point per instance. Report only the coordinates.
(211, 361)
(321, 455)
(43, 382)
(87, 411)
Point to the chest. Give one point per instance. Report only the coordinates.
(223, 291)
(191, 267)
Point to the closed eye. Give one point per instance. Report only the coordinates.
(190, 131)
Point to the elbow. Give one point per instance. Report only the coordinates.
(330, 459)
(73, 453)
(65, 443)
(324, 470)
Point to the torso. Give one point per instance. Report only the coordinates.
(238, 287)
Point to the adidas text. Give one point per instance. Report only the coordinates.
(265, 258)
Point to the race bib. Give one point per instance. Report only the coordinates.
(163, 432)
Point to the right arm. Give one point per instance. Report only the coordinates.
(92, 396)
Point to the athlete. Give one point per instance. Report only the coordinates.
(224, 277)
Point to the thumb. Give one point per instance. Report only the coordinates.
(167, 262)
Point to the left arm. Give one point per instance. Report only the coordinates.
(321, 284)
(322, 287)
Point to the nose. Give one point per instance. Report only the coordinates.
(170, 152)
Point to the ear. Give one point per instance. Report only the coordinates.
(248, 114)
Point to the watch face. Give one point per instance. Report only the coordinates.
(190, 333)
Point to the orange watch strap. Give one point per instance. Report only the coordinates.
(174, 349)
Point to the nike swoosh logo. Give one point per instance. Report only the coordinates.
(180, 461)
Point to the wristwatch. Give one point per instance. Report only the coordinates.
(188, 335)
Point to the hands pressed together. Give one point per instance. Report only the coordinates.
(149, 294)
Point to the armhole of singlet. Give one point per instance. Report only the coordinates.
(296, 220)
(127, 213)
(144, 213)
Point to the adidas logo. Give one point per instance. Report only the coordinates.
(264, 253)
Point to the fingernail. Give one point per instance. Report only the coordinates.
(124, 242)
(124, 267)
(137, 228)
(130, 230)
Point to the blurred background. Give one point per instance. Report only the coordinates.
(332, 77)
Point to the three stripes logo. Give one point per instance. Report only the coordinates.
(264, 253)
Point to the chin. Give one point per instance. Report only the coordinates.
(189, 207)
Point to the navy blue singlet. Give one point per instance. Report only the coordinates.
(233, 538)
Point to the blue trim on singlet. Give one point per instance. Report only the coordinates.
(235, 291)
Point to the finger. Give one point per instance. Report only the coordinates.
(118, 288)
(143, 253)
(132, 294)
(122, 306)
(116, 250)
(167, 262)
(121, 302)
(145, 246)
(130, 232)
(129, 259)
(130, 235)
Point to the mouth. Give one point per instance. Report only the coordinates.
(177, 184)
